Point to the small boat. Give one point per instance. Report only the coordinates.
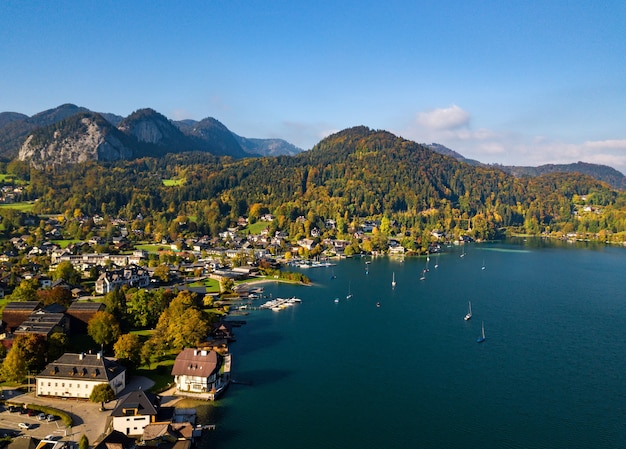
(437, 261)
(468, 316)
(336, 300)
(482, 335)
(393, 280)
(483, 265)
(378, 304)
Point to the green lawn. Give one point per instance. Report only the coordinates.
(256, 228)
(173, 182)
(65, 243)
(152, 248)
(212, 286)
(24, 206)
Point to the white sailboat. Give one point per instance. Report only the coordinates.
(349, 292)
(393, 280)
(482, 335)
(483, 264)
(468, 316)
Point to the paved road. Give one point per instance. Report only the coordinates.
(88, 419)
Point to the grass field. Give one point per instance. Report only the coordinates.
(24, 206)
(173, 182)
(152, 248)
(256, 228)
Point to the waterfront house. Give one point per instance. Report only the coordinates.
(76, 375)
(201, 372)
(138, 409)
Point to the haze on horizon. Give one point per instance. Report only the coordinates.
(515, 83)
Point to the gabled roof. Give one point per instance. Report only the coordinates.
(196, 363)
(116, 440)
(142, 402)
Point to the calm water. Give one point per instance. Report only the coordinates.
(409, 374)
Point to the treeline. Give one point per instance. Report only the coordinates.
(351, 176)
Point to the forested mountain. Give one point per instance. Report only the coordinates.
(212, 135)
(353, 175)
(600, 172)
(267, 147)
(8, 117)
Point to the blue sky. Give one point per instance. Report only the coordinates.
(511, 82)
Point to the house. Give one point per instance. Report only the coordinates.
(131, 275)
(116, 440)
(174, 435)
(75, 376)
(201, 372)
(138, 409)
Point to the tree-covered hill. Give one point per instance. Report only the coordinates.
(351, 176)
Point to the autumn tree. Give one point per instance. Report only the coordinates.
(102, 393)
(55, 295)
(57, 345)
(103, 328)
(128, 347)
(26, 291)
(66, 271)
(182, 324)
(14, 366)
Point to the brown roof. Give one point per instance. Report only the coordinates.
(195, 362)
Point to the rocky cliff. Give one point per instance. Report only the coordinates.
(82, 137)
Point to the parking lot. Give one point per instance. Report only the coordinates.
(87, 418)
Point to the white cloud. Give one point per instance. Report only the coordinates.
(451, 127)
(444, 118)
(607, 144)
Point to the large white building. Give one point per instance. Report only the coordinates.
(75, 376)
(202, 372)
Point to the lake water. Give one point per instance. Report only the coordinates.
(410, 374)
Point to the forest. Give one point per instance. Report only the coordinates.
(355, 175)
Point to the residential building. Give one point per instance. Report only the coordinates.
(201, 372)
(76, 375)
(138, 409)
(131, 275)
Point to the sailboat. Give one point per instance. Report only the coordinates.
(468, 316)
(463, 252)
(349, 293)
(437, 261)
(482, 335)
(483, 264)
(393, 280)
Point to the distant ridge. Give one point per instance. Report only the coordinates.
(599, 172)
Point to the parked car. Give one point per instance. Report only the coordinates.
(31, 412)
(41, 417)
(24, 425)
(51, 418)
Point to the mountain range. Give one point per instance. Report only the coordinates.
(57, 136)
(70, 134)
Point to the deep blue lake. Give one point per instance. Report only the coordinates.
(410, 374)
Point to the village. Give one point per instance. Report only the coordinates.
(54, 410)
